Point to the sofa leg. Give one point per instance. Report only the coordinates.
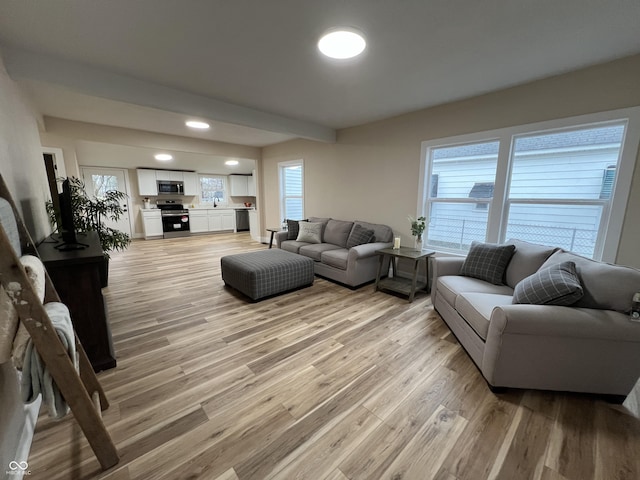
(496, 390)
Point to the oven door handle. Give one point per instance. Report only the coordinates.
(175, 215)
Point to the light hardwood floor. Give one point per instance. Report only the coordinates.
(321, 383)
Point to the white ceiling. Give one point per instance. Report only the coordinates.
(251, 66)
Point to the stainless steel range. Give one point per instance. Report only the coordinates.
(175, 219)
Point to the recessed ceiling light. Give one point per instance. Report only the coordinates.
(342, 43)
(197, 124)
(231, 162)
(163, 157)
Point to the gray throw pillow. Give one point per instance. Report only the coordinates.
(293, 228)
(557, 284)
(310, 232)
(487, 262)
(359, 236)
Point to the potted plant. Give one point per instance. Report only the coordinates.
(90, 213)
(417, 229)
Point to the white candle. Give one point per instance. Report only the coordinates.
(396, 243)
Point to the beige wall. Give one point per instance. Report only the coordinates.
(372, 172)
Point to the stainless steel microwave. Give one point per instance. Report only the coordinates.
(167, 187)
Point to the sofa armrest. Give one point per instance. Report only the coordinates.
(366, 250)
(443, 266)
(280, 237)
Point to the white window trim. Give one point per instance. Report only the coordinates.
(281, 167)
(496, 223)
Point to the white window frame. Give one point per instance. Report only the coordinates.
(613, 217)
(281, 189)
(225, 182)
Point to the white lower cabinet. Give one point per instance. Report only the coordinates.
(152, 223)
(198, 221)
(218, 220)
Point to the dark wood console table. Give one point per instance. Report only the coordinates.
(76, 276)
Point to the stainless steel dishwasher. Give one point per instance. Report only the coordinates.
(242, 220)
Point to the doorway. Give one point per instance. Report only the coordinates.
(98, 181)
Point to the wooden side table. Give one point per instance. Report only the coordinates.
(405, 286)
(273, 232)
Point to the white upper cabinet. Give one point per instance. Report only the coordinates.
(147, 185)
(238, 185)
(251, 185)
(190, 183)
(169, 175)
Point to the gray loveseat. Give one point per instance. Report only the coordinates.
(333, 255)
(589, 346)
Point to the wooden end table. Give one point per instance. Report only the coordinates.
(406, 286)
(273, 232)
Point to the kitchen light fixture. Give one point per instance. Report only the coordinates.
(163, 157)
(231, 162)
(197, 124)
(342, 43)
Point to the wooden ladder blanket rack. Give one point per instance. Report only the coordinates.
(83, 393)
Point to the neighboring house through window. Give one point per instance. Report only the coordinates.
(291, 190)
(213, 189)
(563, 183)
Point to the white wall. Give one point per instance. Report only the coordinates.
(22, 168)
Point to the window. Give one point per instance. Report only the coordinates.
(562, 183)
(213, 189)
(291, 190)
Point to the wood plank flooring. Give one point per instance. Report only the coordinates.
(324, 383)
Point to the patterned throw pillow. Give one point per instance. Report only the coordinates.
(310, 232)
(557, 284)
(487, 262)
(293, 228)
(359, 236)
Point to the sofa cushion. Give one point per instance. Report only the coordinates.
(293, 229)
(310, 232)
(381, 233)
(337, 232)
(322, 220)
(292, 245)
(605, 286)
(336, 258)
(526, 260)
(476, 309)
(359, 236)
(487, 261)
(314, 251)
(555, 284)
(451, 286)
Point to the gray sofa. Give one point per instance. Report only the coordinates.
(352, 266)
(590, 346)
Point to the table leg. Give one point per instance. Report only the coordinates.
(375, 287)
(271, 239)
(415, 281)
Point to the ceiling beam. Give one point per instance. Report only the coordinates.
(113, 86)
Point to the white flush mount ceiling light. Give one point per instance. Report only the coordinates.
(163, 157)
(197, 124)
(231, 162)
(342, 43)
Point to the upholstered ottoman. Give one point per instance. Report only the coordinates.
(267, 272)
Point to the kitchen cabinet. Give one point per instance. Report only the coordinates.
(147, 185)
(228, 219)
(198, 221)
(152, 223)
(251, 186)
(169, 175)
(190, 183)
(238, 185)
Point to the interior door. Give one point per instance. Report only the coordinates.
(98, 181)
